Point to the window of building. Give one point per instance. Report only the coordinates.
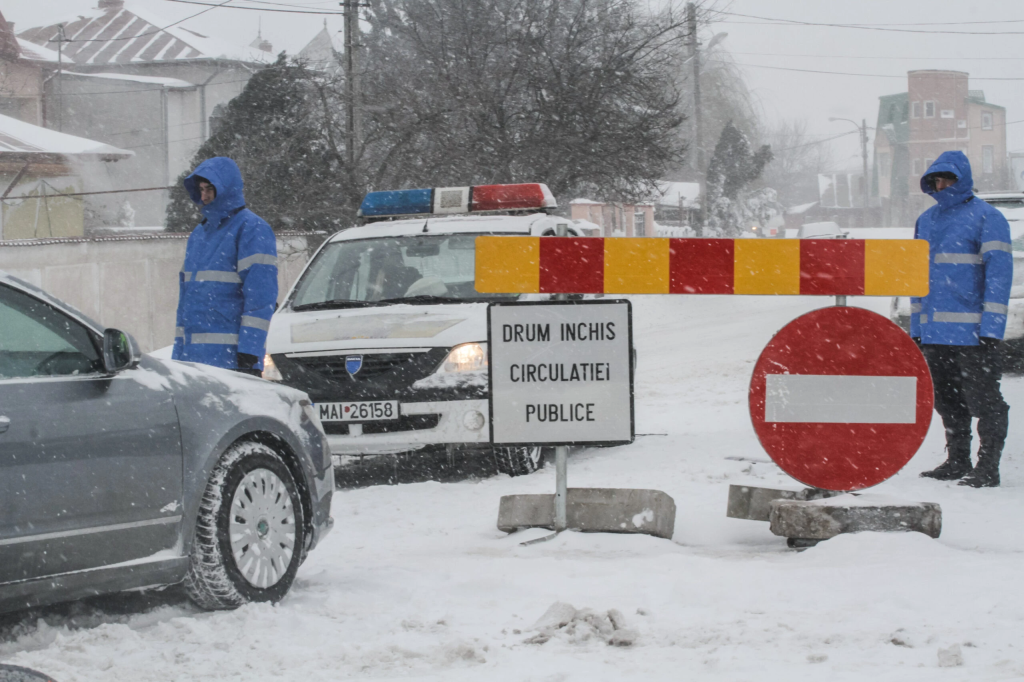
(883, 164)
(915, 110)
(986, 120)
(927, 164)
(640, 224)
(962, 123)
(916, 167)
(987, 158)
(929, 109)
(947, 113)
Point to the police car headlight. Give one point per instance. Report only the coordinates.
(466, 357)
(270, 370)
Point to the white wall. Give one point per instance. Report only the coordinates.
(126, 282)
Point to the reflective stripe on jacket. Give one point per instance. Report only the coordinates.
(971, 268)
(228, 284)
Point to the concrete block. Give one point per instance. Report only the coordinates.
(853, 513)
(596, 510)
(754, 503)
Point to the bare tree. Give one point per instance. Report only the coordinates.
(798, 158)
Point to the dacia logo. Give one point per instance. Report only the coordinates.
(353, 363)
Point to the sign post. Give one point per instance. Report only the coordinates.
(561, 374)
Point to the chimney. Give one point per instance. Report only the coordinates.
(111, 4)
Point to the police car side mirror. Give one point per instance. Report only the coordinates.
(120, 351)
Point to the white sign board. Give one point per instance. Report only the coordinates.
(561, 372)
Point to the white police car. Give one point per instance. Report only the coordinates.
(386, 332)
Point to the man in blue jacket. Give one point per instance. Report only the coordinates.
(960, 323)
(228, 285)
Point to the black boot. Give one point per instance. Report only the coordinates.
(986, 474)
(957, 464)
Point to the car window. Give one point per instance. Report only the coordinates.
(369, 270)
(37, 340)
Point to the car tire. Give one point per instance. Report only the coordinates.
(250, 531)
(518, 461)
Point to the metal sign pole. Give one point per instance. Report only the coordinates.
(561, 451)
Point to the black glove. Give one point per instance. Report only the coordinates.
(988, 343)
(247, 365)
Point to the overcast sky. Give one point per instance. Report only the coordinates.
(885, 55)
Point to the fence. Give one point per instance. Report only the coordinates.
(128, 282)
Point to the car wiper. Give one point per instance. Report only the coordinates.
(422, 298)
(336, 304)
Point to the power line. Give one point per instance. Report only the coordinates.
(256, 9)
(850, 73)
(86, 194)
(891, 28)
(882, 58)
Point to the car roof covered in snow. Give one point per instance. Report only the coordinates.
(464, 224)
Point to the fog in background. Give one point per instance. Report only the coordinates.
(764, 49)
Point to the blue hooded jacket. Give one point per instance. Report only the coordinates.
(971, 269)
(228, 285)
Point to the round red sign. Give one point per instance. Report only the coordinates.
(841, 398)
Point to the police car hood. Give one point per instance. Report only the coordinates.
(387, 326)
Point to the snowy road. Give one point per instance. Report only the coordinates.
(416, 582)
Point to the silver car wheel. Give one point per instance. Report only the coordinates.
(262, 528)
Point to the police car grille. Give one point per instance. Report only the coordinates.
(374, 365)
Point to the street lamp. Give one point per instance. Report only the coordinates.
(862, 128)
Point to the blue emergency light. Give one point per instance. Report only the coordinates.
(397, 202)
(449, 200)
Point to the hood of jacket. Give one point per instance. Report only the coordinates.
(224, 175)
(960, 191)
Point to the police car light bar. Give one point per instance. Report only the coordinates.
(450, 200)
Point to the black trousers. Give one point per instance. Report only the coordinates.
(966, 380)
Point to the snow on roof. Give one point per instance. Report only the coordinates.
(173, 83)
(131, 34)
(322, 51)
(37, 53)
(18, 137)
(584, 201)
(672, 191)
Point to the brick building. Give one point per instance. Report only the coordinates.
(938, 113)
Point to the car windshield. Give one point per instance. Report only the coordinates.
(366, 272)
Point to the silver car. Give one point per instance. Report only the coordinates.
(120, 471)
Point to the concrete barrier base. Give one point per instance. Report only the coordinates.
(594, 510)
(852, 513)
(754, 503)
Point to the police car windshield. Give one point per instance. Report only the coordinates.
(431, 268)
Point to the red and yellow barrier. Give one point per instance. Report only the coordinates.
(809, 267)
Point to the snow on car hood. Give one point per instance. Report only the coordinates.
(390, 326)
(218, 389)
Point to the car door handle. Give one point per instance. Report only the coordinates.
(5, 423)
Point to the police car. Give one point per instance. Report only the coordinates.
(386, 332)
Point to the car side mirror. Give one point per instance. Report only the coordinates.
(120, 351)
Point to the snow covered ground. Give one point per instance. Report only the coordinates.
(416, 581)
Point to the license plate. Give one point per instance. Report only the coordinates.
(377, 410)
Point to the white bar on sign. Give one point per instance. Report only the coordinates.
(835, 399)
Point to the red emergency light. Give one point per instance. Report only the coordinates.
(511, 197)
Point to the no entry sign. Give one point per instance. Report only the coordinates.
(841, 398)
(561, 372)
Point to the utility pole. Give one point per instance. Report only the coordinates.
(696, 155)
(351, 18)
(864, 158)
(61, 39)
